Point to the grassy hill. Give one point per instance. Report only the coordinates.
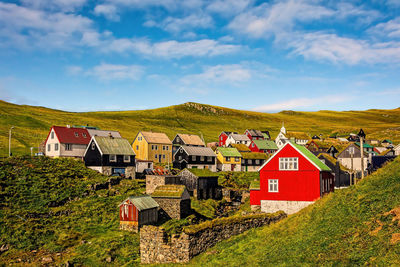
(48, 210)
(32, 123)
(356, 226)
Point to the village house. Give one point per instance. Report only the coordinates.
(195, 157)
(254, 134)
(153, 146)
(66, 142)
(228, 159)
(353, 138)
(386, 142)
(135, 212)
(237, 139)
(317, 146)
(251, 161)
(222, 138)
(213, 145)
(109, 155)
(367, 148)
(155, 180)
(290, 180)
(201, 184)
(186, 140)
(341, 174)
(97, 132)
(174, 201)
(350, 157)
(240, 147)
(374, 142)
(397, 150)
(142, 165)
(263, 146)
(297, 137)
(379, 149)
(332, 151)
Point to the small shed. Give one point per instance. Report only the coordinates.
(201, 183)
(137, 211)
(174, 201)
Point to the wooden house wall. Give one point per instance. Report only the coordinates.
(346, 154)
(93, 157)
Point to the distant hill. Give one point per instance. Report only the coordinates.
(32, 123)
(356, 226)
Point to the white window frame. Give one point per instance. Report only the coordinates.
(201, 158)
(93, 146)
(113, 158)
(209, 159)
(237, 159)
(127, 158)
(194, 158)
(49, 147)
(289, 164)
(163, 156)
(228, 158)
(52, 135)
(273, 185)
(55, 147)
(68, 147)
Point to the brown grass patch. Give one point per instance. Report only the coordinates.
(396, 213)
(395, 239)
(377, 229)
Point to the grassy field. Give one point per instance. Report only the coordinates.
(32, 123)
(356, 226)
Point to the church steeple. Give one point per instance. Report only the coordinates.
(283, 129)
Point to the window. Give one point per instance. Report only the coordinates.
(193, 158)
(139, 138)
(257, 161)
(288, 164)
(154, 147)
(202, 158)
(228, 158)
(113, 158)
(155, 156)
(137, 147)
(84, 135)
(48, 147)
(68, 147)
(209, 159)
(250, 161)
(237, 159)
(180, 157)
(76, 134)
(56, 147)
(252, 145)
(93, 145)
(52, 135)
(273, 185)
(178, 139)
(167, 148)
(222, 138)
(127, 158)
(163, 148)
(163, 156)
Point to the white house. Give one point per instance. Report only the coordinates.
(237, 139)
(297, 137)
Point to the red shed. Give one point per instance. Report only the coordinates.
(137, 211)
(222, 138)
(290, 180)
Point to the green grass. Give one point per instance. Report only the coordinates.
(350, 227)
(45, 205)
(32, 123)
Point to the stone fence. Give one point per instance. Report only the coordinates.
(157, 247)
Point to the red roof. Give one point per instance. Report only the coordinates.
(71, 135)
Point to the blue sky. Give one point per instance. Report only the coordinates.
(82, 55)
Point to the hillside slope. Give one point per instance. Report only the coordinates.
(32, 123)
(354, 226)
(47, 209)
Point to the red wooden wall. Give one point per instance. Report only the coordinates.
(132, 214)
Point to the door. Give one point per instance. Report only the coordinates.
(233, 167)
(159, 158)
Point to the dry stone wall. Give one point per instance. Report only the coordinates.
(157, 247)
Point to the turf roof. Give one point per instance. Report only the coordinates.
(169, 191)
(254, 155)
(229, 152)
(202, 172)
(312, 157)
(265, 144)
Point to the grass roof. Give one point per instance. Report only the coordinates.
(312, 157)
(170, 191)
(254, 155)
(297, 135)
(202, 172)
(265, 144)
(229, 152)
(241, 147)
(333, 161)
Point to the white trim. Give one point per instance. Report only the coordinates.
(277, 152)
(89, 146)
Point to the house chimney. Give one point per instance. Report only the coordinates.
(68, 126)
(110, 135)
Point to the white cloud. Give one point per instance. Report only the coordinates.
(388, 29)
(330, 47)
(172, 49)
(61, 5)
(228, 7)
(177, 25)
(302, 103)
(108, 11)
(107, 72)
(74, 70)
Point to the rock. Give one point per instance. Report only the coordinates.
(4, 248)
(83, 242)
(109, 259)
(68, 264)
(34, 251)
(47, 259)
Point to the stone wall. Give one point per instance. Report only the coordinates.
(156, 247)
(288, 207)
(175, 208)
(152, 181)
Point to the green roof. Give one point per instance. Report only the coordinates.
(265, 135)
(202, 172)
(229, 152)
(307, 153)
(365, 145)
(170, 191)
(255, 185)
(333, 161)
(143, 202)
(254, 155)
(117, 146)
(265, 144)
(241, 147)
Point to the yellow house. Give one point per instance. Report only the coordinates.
(228, 159)
(153, 146)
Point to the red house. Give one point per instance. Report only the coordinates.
(137, 211)
(290, 180)
(222, 138)
(263, 146)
